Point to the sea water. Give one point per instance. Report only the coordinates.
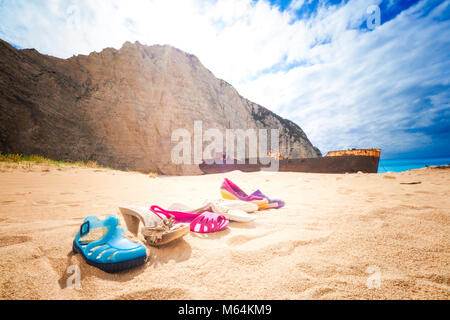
(399, 165)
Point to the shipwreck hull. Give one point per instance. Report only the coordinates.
(341, 164)
(221, 168)
(351, 161)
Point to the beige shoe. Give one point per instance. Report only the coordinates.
(156, 230)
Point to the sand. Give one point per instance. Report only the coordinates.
(349, 236)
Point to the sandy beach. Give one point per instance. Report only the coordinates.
(335, 231)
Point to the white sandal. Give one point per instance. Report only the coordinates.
(232, 209)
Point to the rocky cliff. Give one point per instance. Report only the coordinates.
(120, 107)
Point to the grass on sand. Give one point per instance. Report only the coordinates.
(14, 161)
(26, 162)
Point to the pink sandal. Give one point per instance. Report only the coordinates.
(206, 221)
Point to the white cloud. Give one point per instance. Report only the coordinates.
(361, 88)
(296, 4)
(345, 86)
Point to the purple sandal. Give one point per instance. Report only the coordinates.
(230, 191)
(273, 203)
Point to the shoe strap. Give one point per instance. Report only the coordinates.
(169, 214)
(93, 222)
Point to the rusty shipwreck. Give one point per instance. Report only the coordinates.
(343, 161)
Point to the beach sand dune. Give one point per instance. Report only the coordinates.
(345, 236)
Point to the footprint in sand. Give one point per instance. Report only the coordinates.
(345, 191)
(67, 204)
(7, 201)
(72, 204)
(312, 226)
(285, 248)
(320, 292)
(41, 202)
(238, 240)
(11, 240)
(423, 192)
(438, 278)
(154, 293)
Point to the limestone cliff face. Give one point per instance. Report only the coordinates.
(120, 107)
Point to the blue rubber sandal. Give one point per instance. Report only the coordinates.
(111, 252)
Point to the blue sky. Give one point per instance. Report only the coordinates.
(312, 61)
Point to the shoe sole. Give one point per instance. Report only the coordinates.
(111, 267)
(262, 204)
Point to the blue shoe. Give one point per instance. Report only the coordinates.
(111, 252)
